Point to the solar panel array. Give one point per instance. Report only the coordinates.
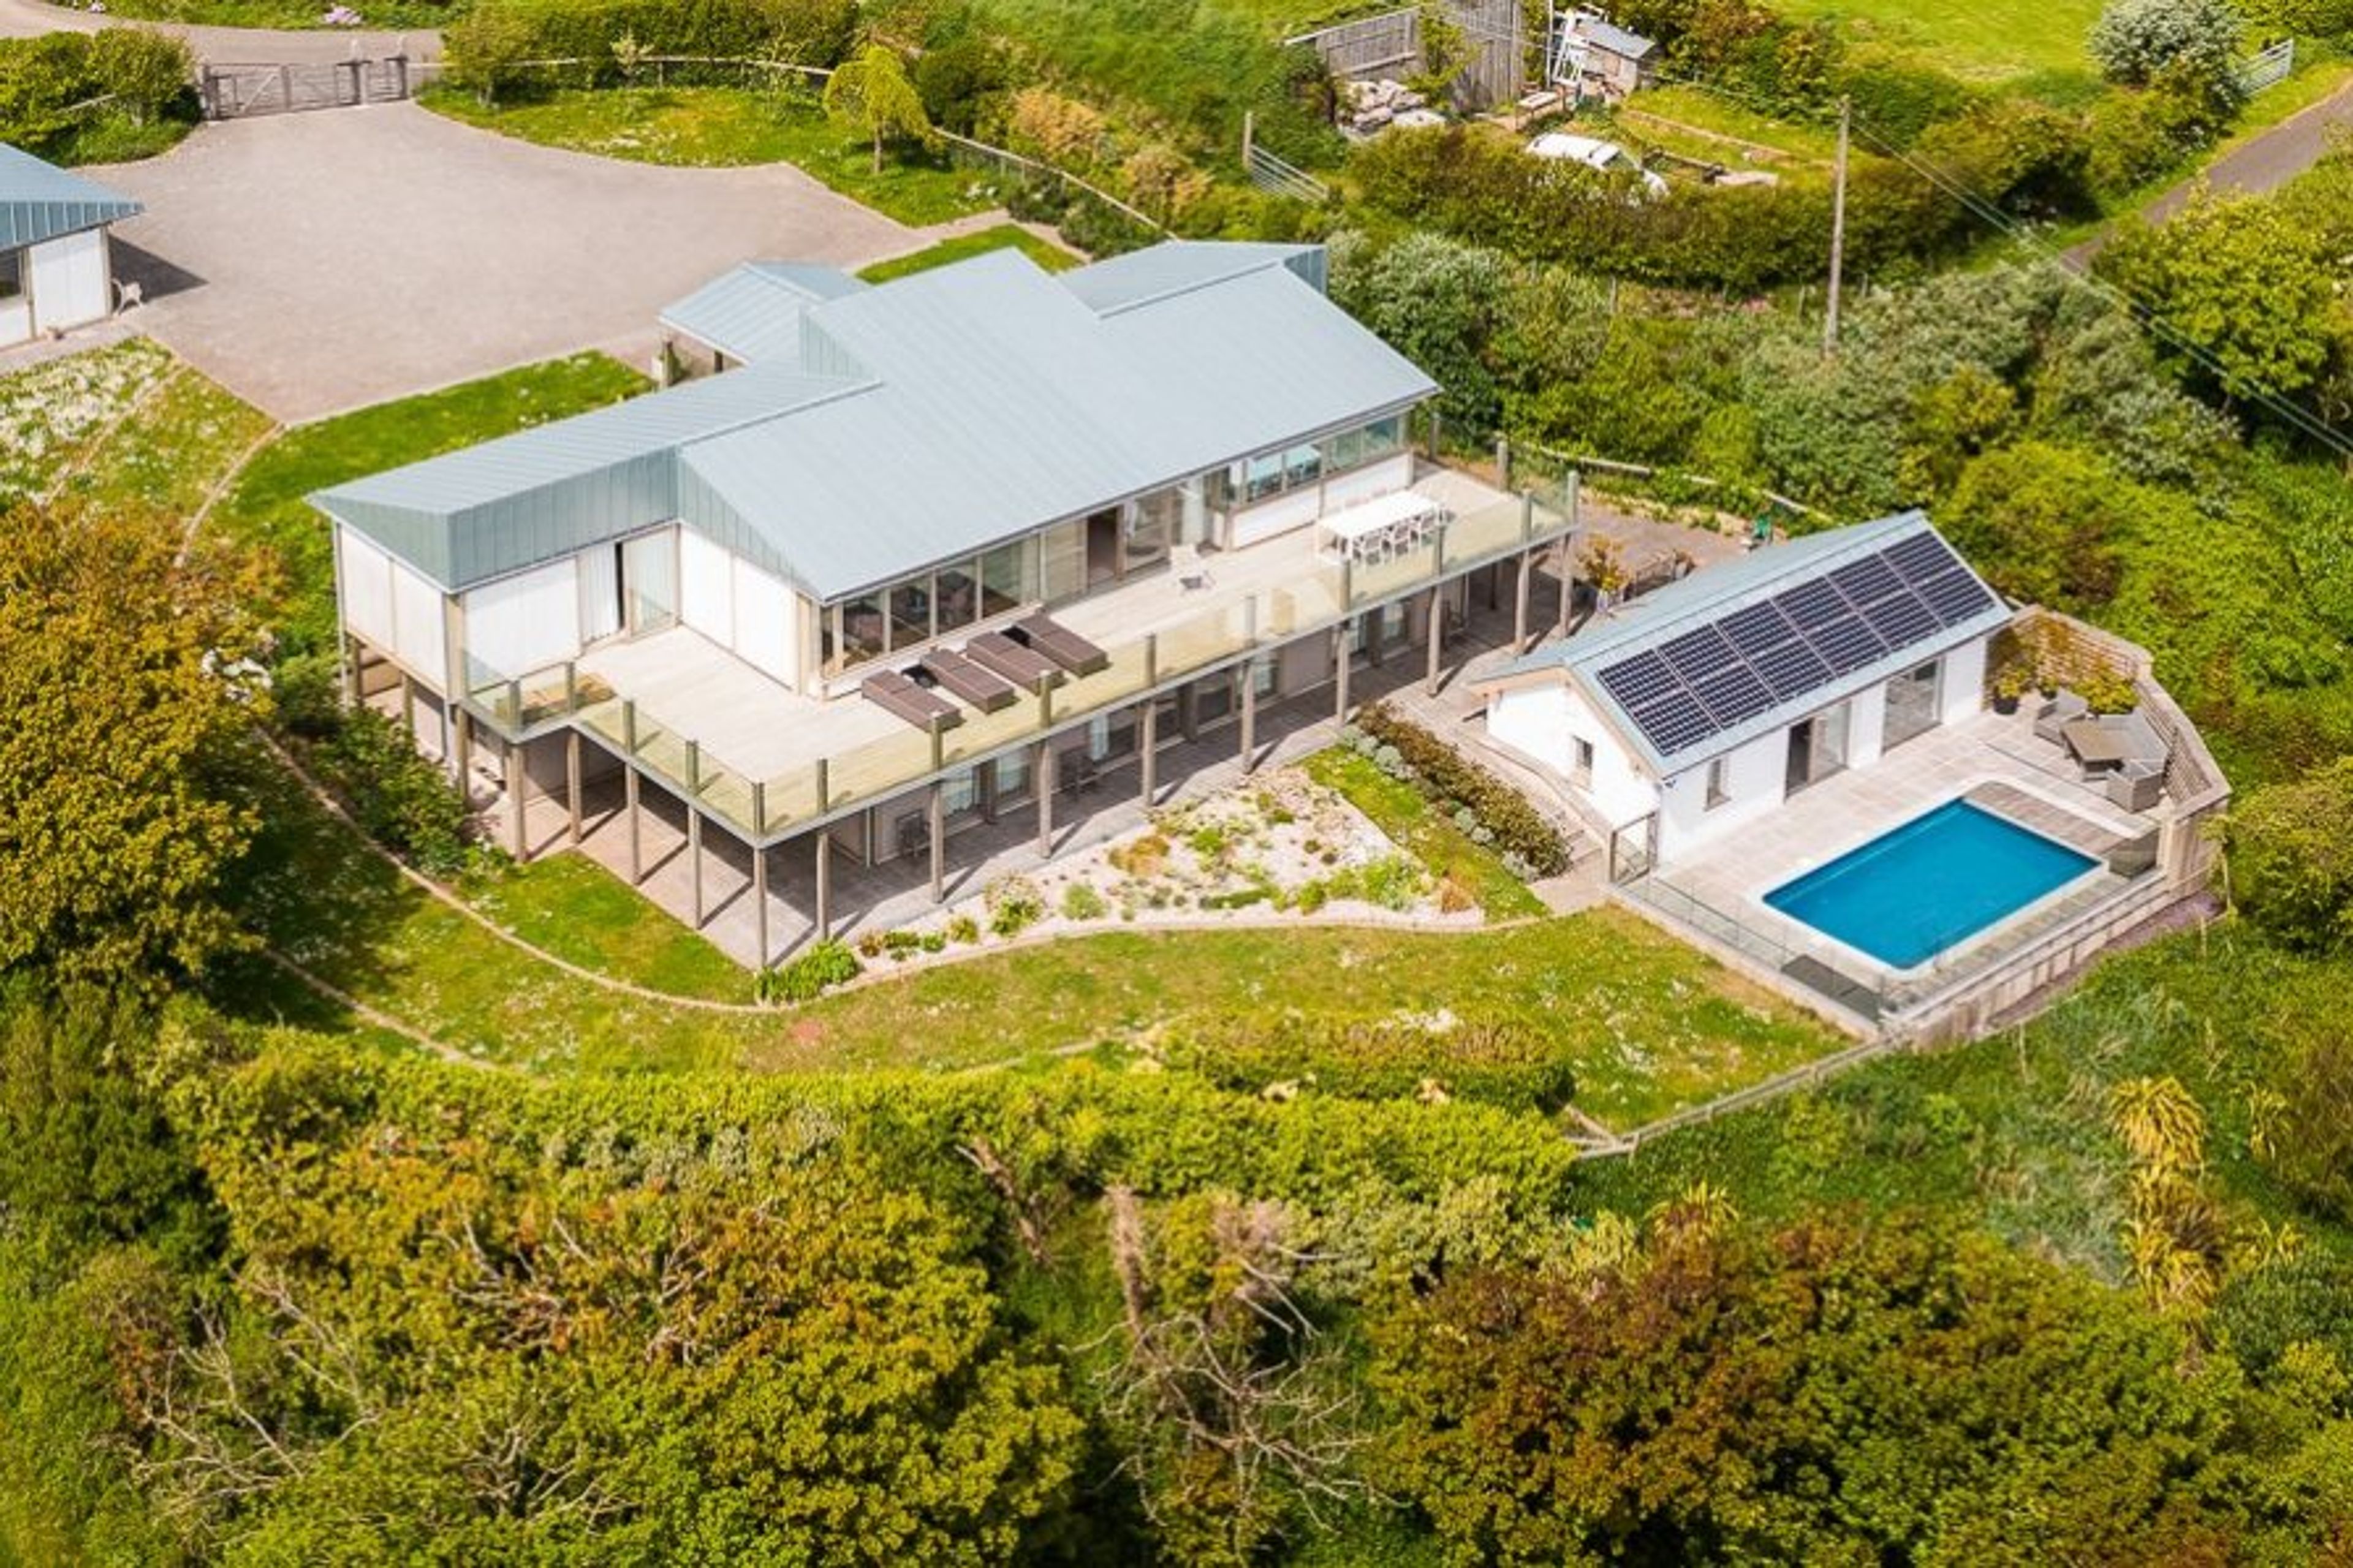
(1720, 674)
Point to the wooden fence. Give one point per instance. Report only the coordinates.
(1390, 45)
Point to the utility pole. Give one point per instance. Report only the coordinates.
(1838, 231)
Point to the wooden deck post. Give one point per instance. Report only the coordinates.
(694, 857)
(1249, 668)
(1437, 630)
(636, 837)
(457, 738)
(1520, 600)
(516, 778)
(937, 808)
(759, 903)
(1044, 771)
(1567, 589)
(572, 779)
(825, 884)
(1340, 671)
(1147, 743)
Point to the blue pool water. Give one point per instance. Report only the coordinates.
(1910, 893)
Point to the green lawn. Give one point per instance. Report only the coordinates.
(725, 127)
(51, 412)
(1805, 141)
(172, 448)
(265, 508)
(1982, 40)
(576, 910)
(1399, 810)
(996, 236)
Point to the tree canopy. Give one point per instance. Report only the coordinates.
(872, 91)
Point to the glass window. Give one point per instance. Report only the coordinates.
(1302, 466)
(12, 274)
(1062, 562)
(1264, 476)
(862, 629)
(1583, 770)
(911, 611)
(650, 581)
(1382, 437)
(1344, 450)
(1719, 782)
(1218, 489)
(960, 792)
(1149, 526)
(1005, 577)
(1013, 776)
(959, 591)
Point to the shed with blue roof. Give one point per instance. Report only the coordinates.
(56, 267)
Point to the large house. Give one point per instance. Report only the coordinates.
(56, 267)
(1710, 702)
(931, 545)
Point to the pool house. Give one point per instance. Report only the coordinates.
(924, 560)
(1793, 761)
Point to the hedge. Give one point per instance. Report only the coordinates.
(1455, 782)
(1495, 1062)
(487, 46)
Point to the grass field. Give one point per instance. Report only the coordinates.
(725, 127)
(1398, 809)
(1981, 40)
(996, 236)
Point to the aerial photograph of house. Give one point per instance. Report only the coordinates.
(1223, 786)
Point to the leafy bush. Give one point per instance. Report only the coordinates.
(2290, 858)
(808, 975)
(1491, 1061)
(402, 798)
(1014, 906)
(2136, 40)
(91, 97)
(1456, 782)
(1082, 902)
(488, 46)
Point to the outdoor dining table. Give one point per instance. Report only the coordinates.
(2095, 744)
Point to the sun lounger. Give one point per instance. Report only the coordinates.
(968, 679)
(898, 695)
(1060, 643)
(1024, 666)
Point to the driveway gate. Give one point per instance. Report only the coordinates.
(233, 92)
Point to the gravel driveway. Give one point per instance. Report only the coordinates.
(314, 263)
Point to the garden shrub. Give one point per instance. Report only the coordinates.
(1491, 1061)
(2136, 40)
(49, 87)
(1082, 902)
(808, 975)
(1014, 906)
(2291, 859)
(1453, 782)
(487, 46)
(401, 798)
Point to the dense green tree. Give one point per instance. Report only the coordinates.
(1827, 1393)
(2243, 291)
(126, 676)
(2291, 847)
(873, 93)
(1439, 303)
(2044, 523)
(2136, 40)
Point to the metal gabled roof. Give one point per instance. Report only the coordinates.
(753, 312)
(1615, 39)
(917, 421)
(1714, 595)
(1156, 272)
(483, 511)
(39, 201)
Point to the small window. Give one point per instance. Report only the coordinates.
(1582, 771)
(1719, 782)
(12, 274)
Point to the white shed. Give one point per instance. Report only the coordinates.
(55, 268)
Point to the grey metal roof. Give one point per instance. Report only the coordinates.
(39, 201)
(1142, 277)
(1716, 593)
(483, 511)
(752, 314)
(1615, 39)
(917, 421)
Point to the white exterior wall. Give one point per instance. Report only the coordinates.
(1545, 721)
(393, 608)
(527, 622)
(1756, 774)
(706, 587)
(767, 623)
(67, 277)
(1866, 726)
(1961, 688)
(742, 609)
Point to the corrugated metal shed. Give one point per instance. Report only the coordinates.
(39, 201)
(752, 314)
(1717, 591)
(1614, 38)
(917, 421)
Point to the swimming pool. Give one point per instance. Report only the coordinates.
(1941, 878)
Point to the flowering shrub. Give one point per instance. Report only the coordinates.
(1486, 808)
